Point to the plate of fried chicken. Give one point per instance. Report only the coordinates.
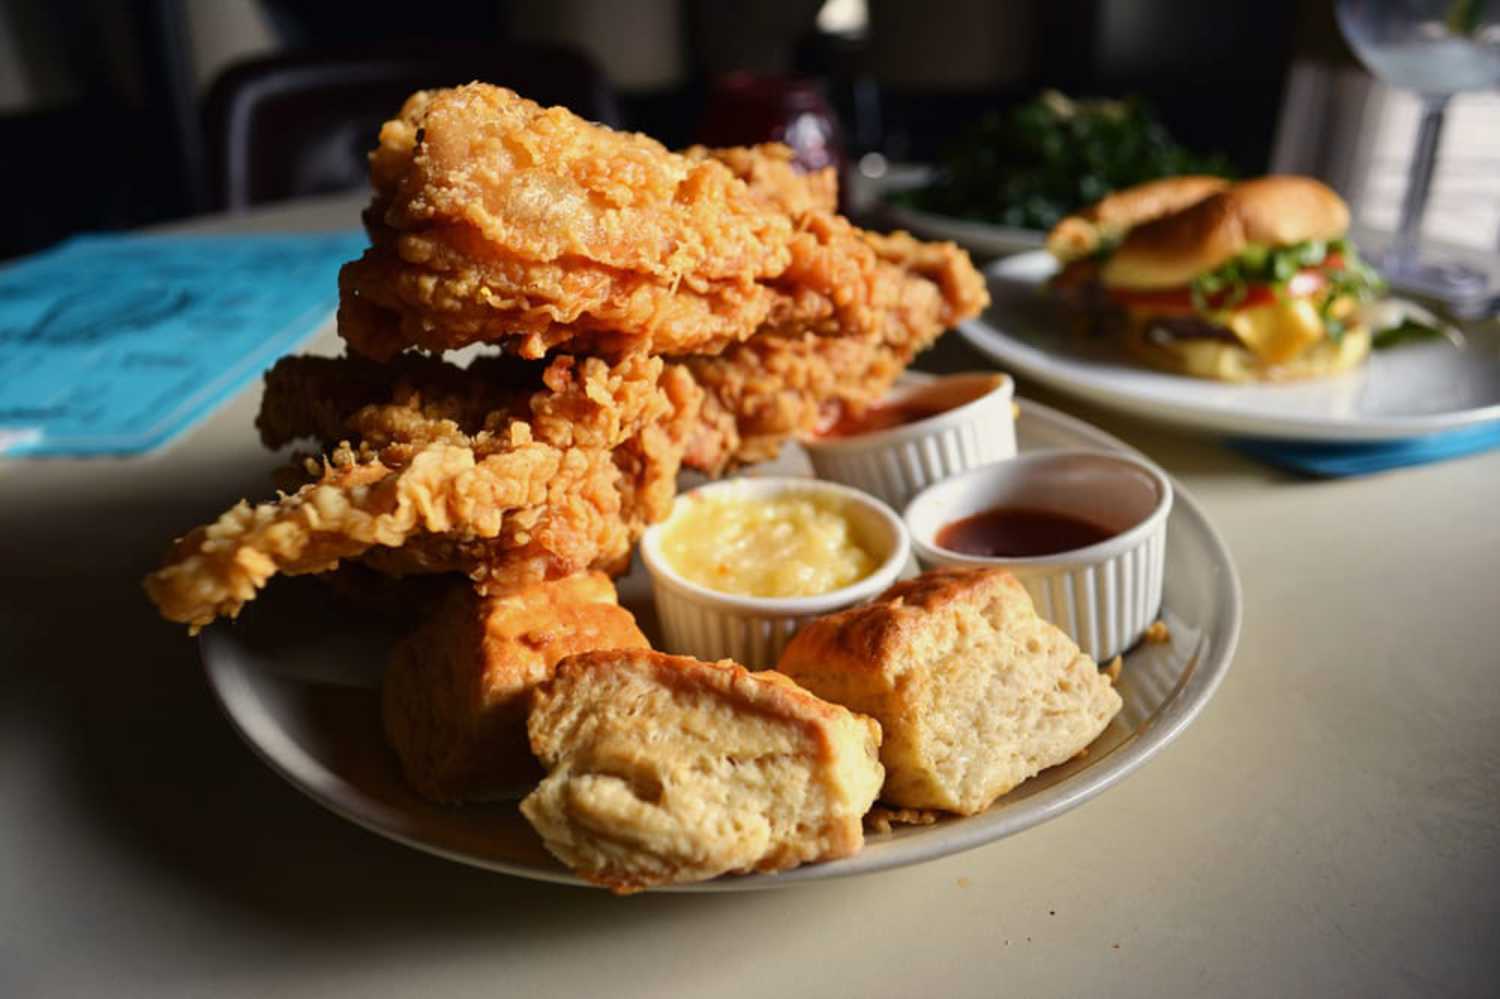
(554, 321)
(652, 311)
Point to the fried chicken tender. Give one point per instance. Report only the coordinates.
(902, 265)
(498, 220)
(771, 174)
(394, 408)
(444, 476)
(414, 399)
(783, 383)
(808, 362)
(835, 283)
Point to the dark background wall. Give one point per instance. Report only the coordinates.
(116, 140)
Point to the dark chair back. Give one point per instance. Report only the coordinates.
(301, 124)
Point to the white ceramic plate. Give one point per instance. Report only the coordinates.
(298, 676)
(1407, 391)
(977, 237)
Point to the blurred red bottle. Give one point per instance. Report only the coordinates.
(745, 109)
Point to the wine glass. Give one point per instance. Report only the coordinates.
(1437, 48)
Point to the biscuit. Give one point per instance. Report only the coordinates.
(664, 769)
(457, 690)
(973, 691)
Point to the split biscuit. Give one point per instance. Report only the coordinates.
(664, 769)
(973, 691)
(457, 690)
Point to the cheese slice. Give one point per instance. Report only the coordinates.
(1277, 331)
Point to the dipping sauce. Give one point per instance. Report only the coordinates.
(792, 545)
(931, 400)
(1020, 532)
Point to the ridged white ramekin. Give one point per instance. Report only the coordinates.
(898, 463)
(698, 621)
(1104, 596)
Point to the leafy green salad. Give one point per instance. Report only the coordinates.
(1042, 160)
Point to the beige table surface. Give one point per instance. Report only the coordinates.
(1330, 825)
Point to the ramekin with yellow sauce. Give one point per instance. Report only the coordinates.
(740, 564)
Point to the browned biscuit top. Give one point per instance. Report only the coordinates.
(865, 637)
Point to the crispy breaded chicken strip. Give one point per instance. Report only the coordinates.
(835, 283)
(888, 265)
(802, 366)
(439, 482)
(771, 174)
(413, 399)
(945, 265)
(783, 383)
(394, 408)
(498, 220)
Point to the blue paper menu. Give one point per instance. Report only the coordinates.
(116, 344)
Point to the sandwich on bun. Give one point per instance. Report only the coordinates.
(1251, 281)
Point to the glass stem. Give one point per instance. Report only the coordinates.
(1419, 182)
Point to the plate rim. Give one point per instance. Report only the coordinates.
(247, 715)
(982, 237)
(1059, 373)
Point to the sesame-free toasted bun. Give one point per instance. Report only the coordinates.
(664, 769)
(457, 690)
(1227, 362)
(1268, 211)
(1107, 220)
(974, 692)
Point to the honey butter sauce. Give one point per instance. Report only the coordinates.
(791, 545)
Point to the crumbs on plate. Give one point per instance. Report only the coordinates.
(881, 819)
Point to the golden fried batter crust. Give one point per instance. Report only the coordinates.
(784, 383)
(498, 220)
(495, 219)
(422, 490)
(768, 170)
